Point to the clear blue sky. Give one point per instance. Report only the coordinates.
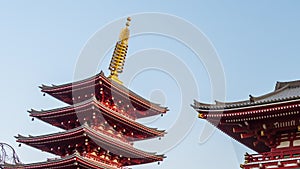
(40, 42)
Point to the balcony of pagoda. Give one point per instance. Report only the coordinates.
(107, 92)
(99, 117)
(73, 161)
(90, 143)
(284, 158)
(117, 161)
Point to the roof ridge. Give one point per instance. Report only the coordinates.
(294, 83)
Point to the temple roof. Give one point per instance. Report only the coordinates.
(255, 122)
(71, 162)
(89, 86)
(284, 91)
(73, 112)
(82, 134)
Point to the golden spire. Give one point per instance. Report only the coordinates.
(119, 55)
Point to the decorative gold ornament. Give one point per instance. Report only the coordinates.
(118, 59)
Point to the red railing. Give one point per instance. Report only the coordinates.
(112, 133)
(103, 160)
(273, 155)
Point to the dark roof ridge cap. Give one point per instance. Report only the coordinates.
(45, 87)
(257, 98)
(91, 100)
(51, 134)
(221, 103)
(295, 83)
(197, 103)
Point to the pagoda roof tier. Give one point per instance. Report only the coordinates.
(96, 114)
(85, 89)
(284, 91)
(87, 140)
(73, 161)
(258, 125)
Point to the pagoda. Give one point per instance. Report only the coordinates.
(99, 124)
(268, 124)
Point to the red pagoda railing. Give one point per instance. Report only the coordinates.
(119, 110)
(112, 133)
(273, 155)
(103, 159)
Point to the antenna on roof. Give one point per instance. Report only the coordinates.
(8, 155)
(118, 59)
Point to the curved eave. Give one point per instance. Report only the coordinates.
(36, 141)
(213, 108)
(89, 104)
(68, 161)
(137, 98)
(69, 86)
(78, 85)
(239, 114)
(257, 101)
(279, 85)
(138, 126)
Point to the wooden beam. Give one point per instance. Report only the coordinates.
(246, 135)
(239, 129)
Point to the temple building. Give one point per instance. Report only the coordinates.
(268, 124)
(99, 124)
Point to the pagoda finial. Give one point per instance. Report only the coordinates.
(118, 59)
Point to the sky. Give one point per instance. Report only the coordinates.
(42, 42)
